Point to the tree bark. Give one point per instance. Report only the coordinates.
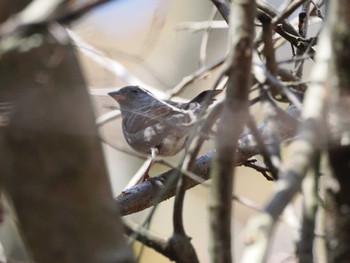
(232, 120)
(338, 201)
(55, 173)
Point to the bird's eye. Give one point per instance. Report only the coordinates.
(135, 91)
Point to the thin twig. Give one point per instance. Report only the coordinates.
(302, 26)
(205, 40)
(318, 10)
(223, 9)
(203, 25)
(199, 74)
(263, 170)
(147, 238)
(106, 62)
(283, 27)
(272, 80)
(263, 149)
(270, 152)
(287, 11)
(188, 162)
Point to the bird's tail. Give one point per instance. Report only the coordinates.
(207, 96)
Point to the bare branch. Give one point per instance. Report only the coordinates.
(310, 187)
(263, 149)
(147, 238)
(232, 120)
(303, 26)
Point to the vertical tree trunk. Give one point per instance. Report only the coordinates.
(338, 223)
(232, 120)
(56, 174)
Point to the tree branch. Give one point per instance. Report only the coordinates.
(232, 120)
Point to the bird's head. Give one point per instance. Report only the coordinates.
(131, 97)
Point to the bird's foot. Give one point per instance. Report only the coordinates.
(144, 178)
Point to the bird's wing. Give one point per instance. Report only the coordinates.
(153, 114)
(207, 96)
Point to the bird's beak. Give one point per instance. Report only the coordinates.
(116, 95)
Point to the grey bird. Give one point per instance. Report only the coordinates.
(154, 126)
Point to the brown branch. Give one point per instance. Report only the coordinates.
(174, 249)
(232, 120)
(178, 207)
(146, 194)
(263, 170)
(147, 238)
(302, 28)
(267, 155)
(179, 242)
(284, 28)
(196, 141)
(268, 51)
(281, 26)
(284, 90)
(287, 11)
(305, 45)
(272, 152)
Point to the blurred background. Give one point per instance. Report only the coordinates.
(153, 43)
